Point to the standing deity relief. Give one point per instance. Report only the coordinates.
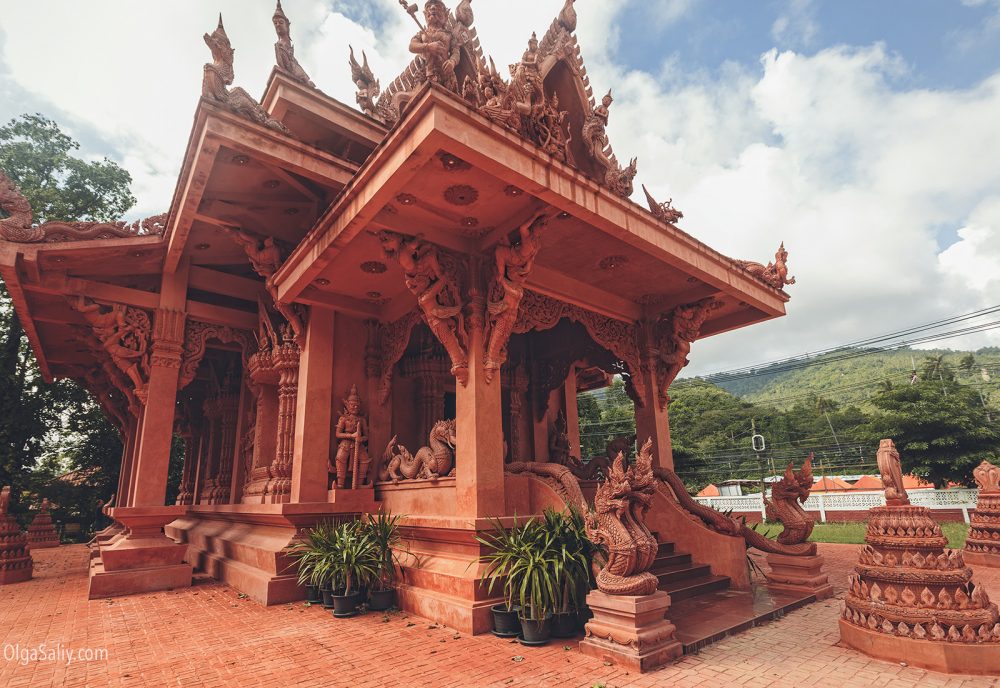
(351, 458)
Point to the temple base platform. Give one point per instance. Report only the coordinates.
(981, 659)
(975, 559)
(139, 557)
(243, 545)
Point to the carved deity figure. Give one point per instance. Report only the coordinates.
(125, 341)
(559, 445)
(618, 522)
(352, 444)
(437, 292)
(513, 264)
(987, 477)
(774, 274)
(676, 333)
(368, 86)
(784, 504)
(891, 471)
(219, 76)
(429, 463)
(663, 211)
(595, 134)
(440, 48)
(284, 52)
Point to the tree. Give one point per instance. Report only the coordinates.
(939, 426)
(35, 416)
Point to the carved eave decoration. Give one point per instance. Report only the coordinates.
(387, 343)
(197, 335)
(672, 336)
(19, 228)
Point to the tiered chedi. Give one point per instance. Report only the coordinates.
(41, 532)
(911, 599)
(982, 548)
(15, 558)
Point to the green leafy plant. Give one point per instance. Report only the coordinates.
(312, 555)
(383, 530)
(353, 557)
(574, 555)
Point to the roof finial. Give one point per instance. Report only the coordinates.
(280, 13)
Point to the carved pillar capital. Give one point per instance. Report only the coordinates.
(168, 338)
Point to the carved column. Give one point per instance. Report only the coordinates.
(479, 449)
(130, 442)
(314, 410)
(286, 361)
(155, 442)
(263, 384)
(184, 493)
(210, 480)
(572, 413)
(651, 409)
(228, 404)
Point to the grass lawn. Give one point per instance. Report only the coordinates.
(854, 533)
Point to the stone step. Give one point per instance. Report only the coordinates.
(669, 574)
(670, 560)
(690, 587)
(706, 618)
(665, 548)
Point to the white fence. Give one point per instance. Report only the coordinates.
(851, 501)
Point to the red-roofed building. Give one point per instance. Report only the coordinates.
(828, 484)
(709, 491)
(868, 482)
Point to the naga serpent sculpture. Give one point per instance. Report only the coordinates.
(428, 463)
(784, 505)
(19, 226)
(618, 522)
(728, 525)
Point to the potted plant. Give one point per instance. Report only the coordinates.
(525, 559)
(383, 530)
(310, 556)
(352, 563)
(504, 544)
(573, 555)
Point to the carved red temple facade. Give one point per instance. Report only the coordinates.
(329, 284)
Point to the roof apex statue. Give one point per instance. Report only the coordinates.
(219, 76)
(284, 52)
(775, 274)
(892, 473)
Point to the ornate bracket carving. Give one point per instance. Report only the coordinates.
(123, 333)
(435, 278)
(672, 338)
(390, 342)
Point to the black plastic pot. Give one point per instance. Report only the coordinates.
(327, 597)
(345, 605)
(506, 623)
(312, 594)
(565, 625)
(536, 631)
(380, 600)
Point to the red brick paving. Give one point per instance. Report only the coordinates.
(208, 636)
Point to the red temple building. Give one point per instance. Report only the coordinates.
(390, 306)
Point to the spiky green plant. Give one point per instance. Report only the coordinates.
(383, 529)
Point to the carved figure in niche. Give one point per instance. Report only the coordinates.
(352, 445)
(559, 446)
(440, 49)
(437, 292)
(774, 274)
(4, 500)
(784, 505)
(513, 265)
(428, 463)
(987, 477)
(249, 441)
(368, 86)
(219, 76)
(663, 211)
(675, 334)
(891, 471)
(284, 52)
(124, 338)
(265, 257)
(618, 522)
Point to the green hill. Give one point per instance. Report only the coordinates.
(851, 376)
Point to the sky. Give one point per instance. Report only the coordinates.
(864, 134)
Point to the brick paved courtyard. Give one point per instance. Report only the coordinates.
(208, 636)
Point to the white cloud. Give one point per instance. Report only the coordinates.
(825, 151)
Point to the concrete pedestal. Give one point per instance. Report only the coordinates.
(632, 632)
(140, 558)
(948, 657)
(797, 575)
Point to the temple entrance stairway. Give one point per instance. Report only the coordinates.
(705, 608)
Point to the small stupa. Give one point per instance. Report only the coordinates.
(41, 533)
(15, 558)
(911, 599)
(982, 548)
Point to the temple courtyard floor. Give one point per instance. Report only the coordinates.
(208, 635)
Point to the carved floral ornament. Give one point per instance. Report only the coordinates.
(197, 335)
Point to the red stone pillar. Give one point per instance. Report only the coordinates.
(313, 411)
(286, 361)
(129, 441)
(227, 447)
(651, 416)
(572, 413)
(479, 482)
(184, 494)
